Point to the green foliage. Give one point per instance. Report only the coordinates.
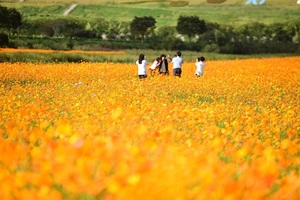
(59, 27)
(4, 41)
(231, 12)
(251, 47)
(279, 32)
(256, 29)
(213, 48)
(191, 26)
(63, 33)
(40, 43)
(10, 18)
(205, 99)
(166, 38)
(130, 56)
(142, 25)
(117, 30)
(99, 25)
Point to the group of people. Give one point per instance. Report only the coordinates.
(160, 65)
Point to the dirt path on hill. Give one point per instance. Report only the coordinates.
(70, 9)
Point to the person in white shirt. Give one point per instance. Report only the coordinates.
(142, 63)
(177, 64)
(200, 64)
(155, 65)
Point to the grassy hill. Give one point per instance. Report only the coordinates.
(165, 12)
(193, 2)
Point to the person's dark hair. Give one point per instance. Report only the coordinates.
(158, 59)
(165, 60)
(202, 58)
(178, 53)
(141, 58)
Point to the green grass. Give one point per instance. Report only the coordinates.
(280, 3)
(230, 12)
(130, 56)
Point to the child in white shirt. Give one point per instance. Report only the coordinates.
(142, 63)
(155, 65)
(200, 64)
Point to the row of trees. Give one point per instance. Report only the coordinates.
(190, 33)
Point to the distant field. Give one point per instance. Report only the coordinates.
(126, 56)
(284, 3)
(230, 12)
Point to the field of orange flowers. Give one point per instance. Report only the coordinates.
(95, 131)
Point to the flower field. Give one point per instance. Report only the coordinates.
(95, 131)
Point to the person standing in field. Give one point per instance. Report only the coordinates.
(142, 63)
(163, 67)
(155, 65)
(200, 64)
(177, 64)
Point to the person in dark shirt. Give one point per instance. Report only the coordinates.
(163, 67)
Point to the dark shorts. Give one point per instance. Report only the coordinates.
(177, 72)
(164, 73)
(142, 76)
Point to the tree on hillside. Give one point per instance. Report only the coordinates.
(278, 32)
(10, 18)
(118, 30)
(166, 32)
(209, 36)
(3, 17)
(14, 18)
(124, 30)
(165, 37)
(73, 27)
(293, 29)
(44, 28)
(39, 27)
(69, 27)
(100, 26)
(225, 34)
(190, 26)
(58, 26)
(113, 29)
(252, 30)
(140, 26)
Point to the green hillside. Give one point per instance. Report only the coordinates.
(285, 3)
(165, 12)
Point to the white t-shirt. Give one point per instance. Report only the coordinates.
(142, 67)
(200, 68)
(177, 62)
(154, 65)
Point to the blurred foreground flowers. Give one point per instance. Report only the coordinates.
(95, 131)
